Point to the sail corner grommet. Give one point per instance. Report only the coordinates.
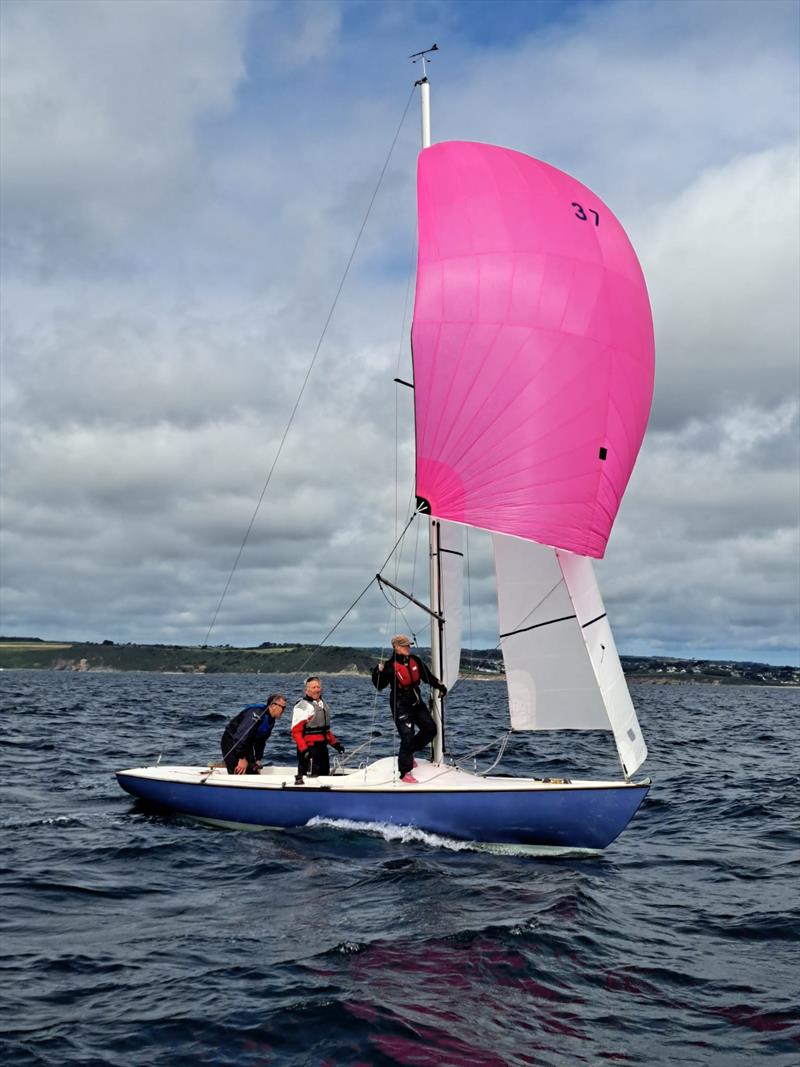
(423, 505)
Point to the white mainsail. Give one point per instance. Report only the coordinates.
(562, 667)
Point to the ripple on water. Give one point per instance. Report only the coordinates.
(139, 938)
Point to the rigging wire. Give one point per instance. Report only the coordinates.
(414, 563)
(502, 741)
(311, 366)
(397, 402)
(394, 609)
(372, 580)
(471, 657)
(397, 609)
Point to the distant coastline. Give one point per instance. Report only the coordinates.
(32, 653)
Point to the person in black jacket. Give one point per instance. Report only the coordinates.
(414, 722)
(246, 735)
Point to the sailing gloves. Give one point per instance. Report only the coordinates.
(339, 748)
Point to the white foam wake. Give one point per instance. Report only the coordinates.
(412, 834)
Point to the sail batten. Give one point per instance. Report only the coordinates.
(536, 625)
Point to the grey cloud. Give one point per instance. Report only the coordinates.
(722, 266)
(637, 99)
(100, 114)
(150, 369)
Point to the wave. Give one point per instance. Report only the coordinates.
(60, 821)
(363, 942)
(412, 835)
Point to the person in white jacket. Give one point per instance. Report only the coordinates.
(311, 730)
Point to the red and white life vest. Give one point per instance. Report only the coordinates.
(407, 674)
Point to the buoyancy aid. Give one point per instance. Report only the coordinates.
(407, 675)
(320, 721)
(252, 719)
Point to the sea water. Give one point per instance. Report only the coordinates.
(137, 938)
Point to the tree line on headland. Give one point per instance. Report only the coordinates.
(290, 658)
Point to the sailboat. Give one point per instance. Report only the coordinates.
(533, 359)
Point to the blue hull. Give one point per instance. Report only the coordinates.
(570, 817)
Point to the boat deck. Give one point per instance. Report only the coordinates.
(380, 775)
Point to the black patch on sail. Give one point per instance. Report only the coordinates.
(632, 735)
(603, 453)
(423, 505)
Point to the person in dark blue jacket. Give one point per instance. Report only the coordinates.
(246, 735)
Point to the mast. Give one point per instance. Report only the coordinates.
(425, 109)
(437, 623)
(437, 637)
(424, 92)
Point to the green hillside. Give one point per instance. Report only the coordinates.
(269, 658)
(266, 659)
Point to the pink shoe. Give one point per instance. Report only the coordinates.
(409, 779)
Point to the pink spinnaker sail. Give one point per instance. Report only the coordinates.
(532, 345)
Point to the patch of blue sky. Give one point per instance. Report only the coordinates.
(352, 40)
(397, 265)
(500, 23)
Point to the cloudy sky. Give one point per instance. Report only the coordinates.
(183, 184)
